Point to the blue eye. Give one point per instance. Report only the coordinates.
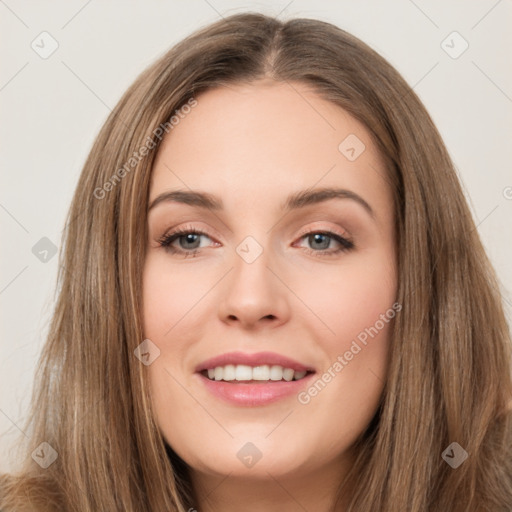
(322, 240)
(189, 241)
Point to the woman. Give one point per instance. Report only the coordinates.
(256, 370)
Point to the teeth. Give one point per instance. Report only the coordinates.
(276, 373)
(242, 372)
(261, 372)
(229, 373)
(288, 374)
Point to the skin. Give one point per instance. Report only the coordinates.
(251, 145)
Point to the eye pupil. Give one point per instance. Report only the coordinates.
(190, 238)
(317, 237)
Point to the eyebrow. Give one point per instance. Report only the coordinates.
(294, 201)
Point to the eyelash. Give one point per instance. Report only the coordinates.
(166, 240)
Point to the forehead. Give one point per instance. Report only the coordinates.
(249, 142)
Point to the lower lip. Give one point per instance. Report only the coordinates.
(251, 394)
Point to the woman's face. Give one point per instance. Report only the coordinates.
(268, 280)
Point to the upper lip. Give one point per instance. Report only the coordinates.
(256, 359)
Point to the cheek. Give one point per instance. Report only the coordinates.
(351, 299)
(171, 301)
(356, 306)
(169, 296)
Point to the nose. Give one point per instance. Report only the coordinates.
(254, 294)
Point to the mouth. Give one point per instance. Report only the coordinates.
(244, 373)
(253, 379)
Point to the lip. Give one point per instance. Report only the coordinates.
(257, 359)
(253, 394)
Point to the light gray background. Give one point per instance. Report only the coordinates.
(53, 108)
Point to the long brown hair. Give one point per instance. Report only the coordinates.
(449, 378)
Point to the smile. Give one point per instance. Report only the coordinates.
(252, 380)
(242, 372)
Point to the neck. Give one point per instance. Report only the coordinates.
(300, 490)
